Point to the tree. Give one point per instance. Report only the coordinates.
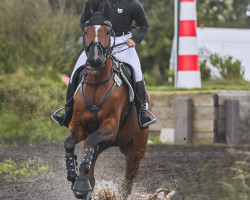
(224, 13)
(155, 51)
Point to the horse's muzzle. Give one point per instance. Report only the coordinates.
(96, 59)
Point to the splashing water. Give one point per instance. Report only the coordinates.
(108, 190)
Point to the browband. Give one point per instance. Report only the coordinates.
(108, 23)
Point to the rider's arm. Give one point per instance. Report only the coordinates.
(141, 19)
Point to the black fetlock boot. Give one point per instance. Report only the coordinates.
(141, 105)
(71, 164)
(65, 118)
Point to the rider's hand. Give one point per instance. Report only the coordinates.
(130, 43)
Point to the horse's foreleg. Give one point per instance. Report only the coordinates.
(90, 175)
(71, 163)
(82, 185)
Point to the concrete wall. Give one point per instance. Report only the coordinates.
(244, 113)
(208, 113)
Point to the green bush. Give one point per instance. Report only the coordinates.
(7, 56)
(150, 81)
(171, 76)
(34, 33)
(27, 99)
(227, 66)
(205, 71)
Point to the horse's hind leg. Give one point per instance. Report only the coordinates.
(133, 158)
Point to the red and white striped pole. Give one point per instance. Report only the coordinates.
(188, 71)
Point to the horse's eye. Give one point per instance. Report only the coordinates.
(109, 31)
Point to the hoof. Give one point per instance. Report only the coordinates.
(82, 189)
(81, 196)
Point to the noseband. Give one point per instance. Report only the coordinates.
(104, 50)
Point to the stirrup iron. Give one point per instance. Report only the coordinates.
(152, 116)
(57, 111)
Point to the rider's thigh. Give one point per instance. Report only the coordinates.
(80, 62)
(130, 56)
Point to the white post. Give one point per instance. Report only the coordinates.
(188, 75)
(175, 40)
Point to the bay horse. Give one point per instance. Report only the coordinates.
(101, 104)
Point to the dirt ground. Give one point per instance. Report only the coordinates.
(196, 172)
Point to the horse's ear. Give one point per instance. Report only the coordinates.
(88, 10)
(106, 10)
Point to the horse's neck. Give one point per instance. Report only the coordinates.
(102, 74)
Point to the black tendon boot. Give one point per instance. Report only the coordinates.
(65, 118)
(141, 105)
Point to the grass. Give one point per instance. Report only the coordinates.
(154, 139)
(26, 103)
(10, 169)
(218, 84)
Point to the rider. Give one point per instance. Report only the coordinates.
(123, 12)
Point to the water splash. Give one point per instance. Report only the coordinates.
(107, 190)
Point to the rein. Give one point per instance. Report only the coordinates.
(119, 45)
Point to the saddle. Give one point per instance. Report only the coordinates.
(127, 74)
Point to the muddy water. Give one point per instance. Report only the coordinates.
(197, 170)
(111, 191)
(109, 173)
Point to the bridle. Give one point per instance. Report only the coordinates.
(106, 51)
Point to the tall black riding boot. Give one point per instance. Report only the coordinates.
(141, 102)
(65, 118)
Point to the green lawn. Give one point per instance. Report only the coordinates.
(217, 84)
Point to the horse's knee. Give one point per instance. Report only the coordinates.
(70, 142)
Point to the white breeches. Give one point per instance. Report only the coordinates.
(128, 56)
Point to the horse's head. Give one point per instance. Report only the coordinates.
(97, 38)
